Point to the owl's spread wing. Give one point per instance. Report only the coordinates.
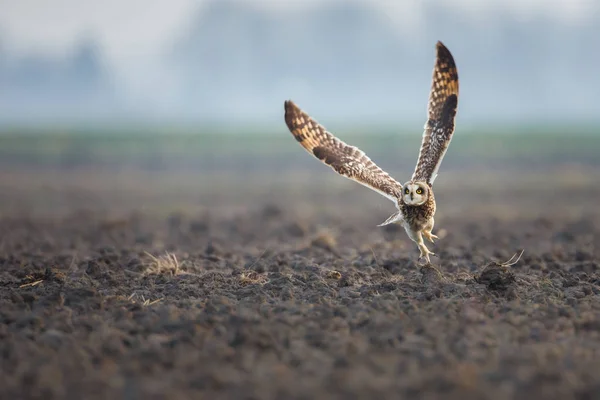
(346, 160)
(443, 101)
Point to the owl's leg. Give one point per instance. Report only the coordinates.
(425, 253)
(417, 237)
(427, 231)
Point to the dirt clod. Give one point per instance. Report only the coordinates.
(496, 277)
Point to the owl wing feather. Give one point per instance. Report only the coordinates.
(346, 160)
(438, 130)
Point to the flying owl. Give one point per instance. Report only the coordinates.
(414, 200)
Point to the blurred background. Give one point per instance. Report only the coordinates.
(193, 91)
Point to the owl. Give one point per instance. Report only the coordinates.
(414, 200)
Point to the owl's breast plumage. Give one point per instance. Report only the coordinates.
(418, 216)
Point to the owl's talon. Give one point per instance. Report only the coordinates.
(430, 236)
(425, 253)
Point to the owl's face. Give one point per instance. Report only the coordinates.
(415, 193)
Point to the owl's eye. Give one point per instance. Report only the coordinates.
(419, 191)
(406, 191)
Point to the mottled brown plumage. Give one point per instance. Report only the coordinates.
(346, 160)
(443, 101)
(415, 199)
(419, 216)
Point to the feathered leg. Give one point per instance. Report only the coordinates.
(427, 231)
(416, 236)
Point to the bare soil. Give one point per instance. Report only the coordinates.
(151, 286)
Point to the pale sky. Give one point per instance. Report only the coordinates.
(135, 36)
(133, 29)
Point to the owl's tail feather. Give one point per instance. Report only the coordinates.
(395, 217)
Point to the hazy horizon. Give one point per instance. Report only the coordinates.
(235, 62)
